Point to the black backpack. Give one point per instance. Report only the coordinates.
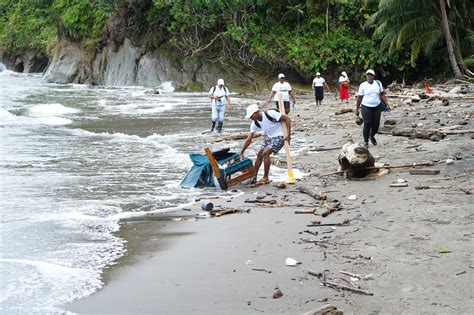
(257, 123)
(225, 90)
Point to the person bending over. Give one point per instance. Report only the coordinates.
(270, 123)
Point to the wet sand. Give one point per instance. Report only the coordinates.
(416, 244)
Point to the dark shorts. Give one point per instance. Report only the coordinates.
(276, 143)
(285, 103)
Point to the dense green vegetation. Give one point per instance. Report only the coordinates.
(393, 36)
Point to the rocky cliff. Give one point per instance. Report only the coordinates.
(126, 64)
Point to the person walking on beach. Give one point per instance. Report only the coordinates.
(270, 122)
(219, 96)
(318, 86)
(285, 88)
(344, 87)
(372, 98)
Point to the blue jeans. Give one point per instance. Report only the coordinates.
(218, 111)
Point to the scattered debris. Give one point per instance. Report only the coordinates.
(291, 262)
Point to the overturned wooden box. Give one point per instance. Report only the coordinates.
(232, 173)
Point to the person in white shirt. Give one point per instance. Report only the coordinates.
(219, 96)
(285, 88)
(344, 87)
(369, 102)
(318, 87)
(270, 122)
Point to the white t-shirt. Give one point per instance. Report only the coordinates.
(342, 79)
(270, 128)
(283, 88)
(220, 93)
(318, 81)
(370, 93)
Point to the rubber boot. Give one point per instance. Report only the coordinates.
(219, 127)
(213, 125)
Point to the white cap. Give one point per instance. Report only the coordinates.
(317, 73)
(220, 82)
(344, 73)
(251, 109)
(370, 71)
(281, 75)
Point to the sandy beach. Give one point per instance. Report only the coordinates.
(412, 248)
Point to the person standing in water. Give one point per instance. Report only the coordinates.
(344, 87)
(219, 96)
(285, 88)
(318, 86)
(370, 96)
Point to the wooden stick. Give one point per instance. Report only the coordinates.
(428, 163)
(306, 190)
(291, 177)
(351, 274)
(344, 287)
(444, 178)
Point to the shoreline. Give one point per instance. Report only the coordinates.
(417, 244)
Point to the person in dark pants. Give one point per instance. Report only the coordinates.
(318, 86)
(370, 96)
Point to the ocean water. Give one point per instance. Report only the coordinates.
(75, 160)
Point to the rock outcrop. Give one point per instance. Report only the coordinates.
(126, 64)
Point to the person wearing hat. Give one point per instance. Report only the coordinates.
(369, 101)
(219, 96)
(285, 88)
(270, 123)
(318, 87)
(344, 87)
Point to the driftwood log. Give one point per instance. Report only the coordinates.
(355, 160)
(238, 136)
(309, 191)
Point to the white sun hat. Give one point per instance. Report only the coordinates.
(251, 109)
(317, 73)
(281, 75)
(220, 82)
(372, 72)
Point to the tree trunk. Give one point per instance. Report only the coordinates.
(327, 19)
(449, 40)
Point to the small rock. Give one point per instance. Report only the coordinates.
(390, 122)
(281, 185)
(277, 293)
(352, 197)
(449, 161)
(461, 122)
(445, 102)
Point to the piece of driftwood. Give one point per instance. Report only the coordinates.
(444, 178)
(344, 287)
(306, 211)
(272, 202)
(328, 224)
(307, 190)
(431, 187)
(343, 110)
(428, 163)
(325, 310)
(314, 273)
(432, 135)
(424, 172)
(225, 211)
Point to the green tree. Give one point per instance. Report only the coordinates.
(420, 24)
